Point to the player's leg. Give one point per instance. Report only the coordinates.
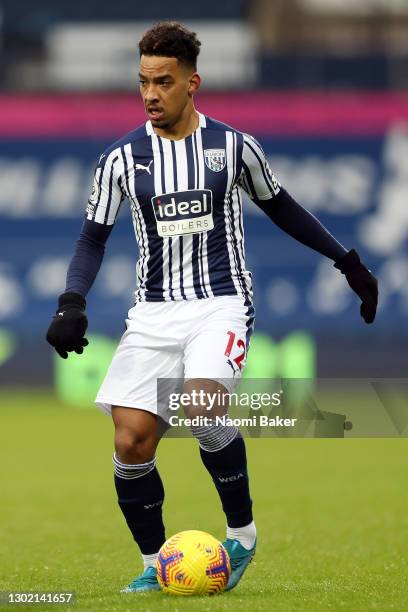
(129, 393)
(138, 484)
(222, 451)
(222, 448)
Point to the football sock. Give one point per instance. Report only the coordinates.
(214, 437)
(140, 497)
(149, 560)
(228, 469)
(245, 535)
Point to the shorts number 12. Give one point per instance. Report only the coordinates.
(230, 344)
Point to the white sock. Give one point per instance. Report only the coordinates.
(245, 535)
(149, 560)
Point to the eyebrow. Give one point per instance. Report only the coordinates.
(157, 78)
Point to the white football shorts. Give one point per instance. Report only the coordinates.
(187, 339)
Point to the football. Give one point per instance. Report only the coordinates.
(193, 563)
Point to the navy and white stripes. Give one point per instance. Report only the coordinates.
(213, 438)
(130, 471)
(190, 189)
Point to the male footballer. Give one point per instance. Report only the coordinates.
(183, 174)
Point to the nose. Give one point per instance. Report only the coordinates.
(151, 93)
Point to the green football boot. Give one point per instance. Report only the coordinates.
(145, 582)
(240, 558)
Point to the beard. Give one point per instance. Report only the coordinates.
(162, 124)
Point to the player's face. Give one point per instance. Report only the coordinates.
(167, 87)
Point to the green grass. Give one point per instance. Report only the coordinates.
(331, 515)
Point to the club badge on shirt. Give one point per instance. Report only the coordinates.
(215, 159)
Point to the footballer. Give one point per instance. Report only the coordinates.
(183, 174)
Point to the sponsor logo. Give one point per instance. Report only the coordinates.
(154, 505)
(93, 198)
(231, 478)
(214, 159)
(183, 212)
(142, 167)
(234, 367)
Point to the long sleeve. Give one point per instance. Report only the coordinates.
(265, 191)
(100, 216)
(87, 257)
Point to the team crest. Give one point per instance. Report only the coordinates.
(215, 159)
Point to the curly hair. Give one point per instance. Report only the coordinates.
(171, 39)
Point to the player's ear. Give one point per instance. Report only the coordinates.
(194, 84)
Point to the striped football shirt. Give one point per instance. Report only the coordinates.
(186, 203)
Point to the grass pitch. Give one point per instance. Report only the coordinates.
(331, 515)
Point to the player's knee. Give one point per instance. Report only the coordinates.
(134, 446)
(209, 398)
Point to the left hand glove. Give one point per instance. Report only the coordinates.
(67, 330)
(362, 282)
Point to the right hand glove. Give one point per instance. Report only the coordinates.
(68, 326)
(362, 281)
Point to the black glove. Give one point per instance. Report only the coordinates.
(68, 327)
(362, 282)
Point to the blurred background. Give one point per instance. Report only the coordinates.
(321, 83)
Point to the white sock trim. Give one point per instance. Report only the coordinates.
(245, 535)
(128, 471)
(150, 560)
(213, 438)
